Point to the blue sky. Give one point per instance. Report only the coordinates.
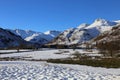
(43, 15)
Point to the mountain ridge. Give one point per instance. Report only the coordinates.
(81, 34)
(84, 32)
(36, 37)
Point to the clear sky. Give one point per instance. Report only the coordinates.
(43, 15)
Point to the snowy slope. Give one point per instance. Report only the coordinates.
(117, 21)
(39, 38)
(110, 36)
(84, 32)
(23, 33)
(82, 26)
(36, 37)
(52, 33)
(8, 39)
(102, 25)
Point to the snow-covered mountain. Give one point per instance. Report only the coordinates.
(112, 35)
(84, 32)
(108, 42)
(36, 37)
(23, 33)
(39, 38)
(8, 39)
(78, 35)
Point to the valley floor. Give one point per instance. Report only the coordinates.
(39, 70)
(45, 54)
(22, 70)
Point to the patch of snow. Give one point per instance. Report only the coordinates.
(118, 21)
(6, 51)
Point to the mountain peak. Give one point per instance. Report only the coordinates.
(103, 22)
(100, 20)
(83, 25)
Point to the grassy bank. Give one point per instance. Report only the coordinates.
(107, 62)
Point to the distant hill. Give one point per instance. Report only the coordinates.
(36, 37)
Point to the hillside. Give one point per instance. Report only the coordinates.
(108, 43)
(108, 36)
(8, 39)
(109, 39)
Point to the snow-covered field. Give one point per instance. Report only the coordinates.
(32, 70)
(21, 70)
(50, 54)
